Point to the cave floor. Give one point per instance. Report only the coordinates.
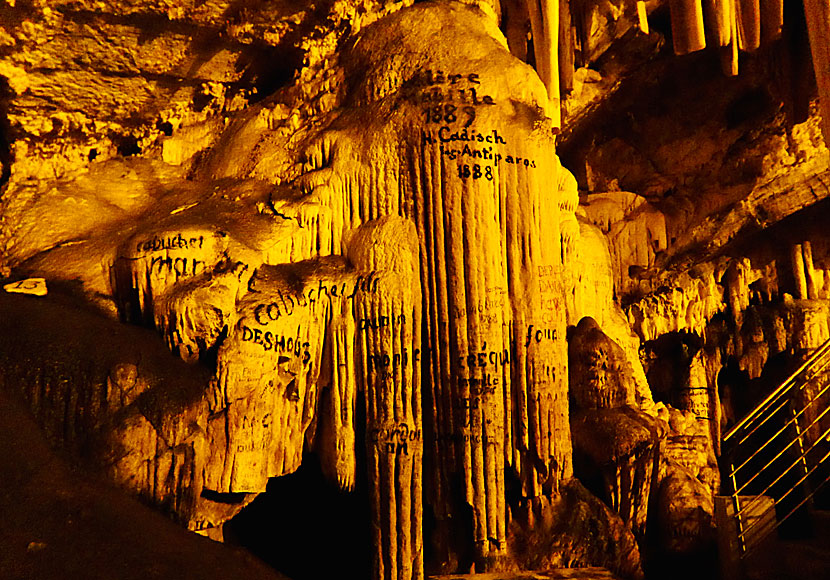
(806, 558)
(59, 522)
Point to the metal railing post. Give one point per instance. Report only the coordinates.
(736, 503)
(800, 438)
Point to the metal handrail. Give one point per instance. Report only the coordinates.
(786, 471)
(786, 385)
(780, 453)
(794, 419)
(784, 402)
(779, 399)
(800, 481)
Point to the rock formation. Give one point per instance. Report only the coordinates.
(477, 259)
(617, 441)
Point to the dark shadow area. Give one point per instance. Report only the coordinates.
(306, 528)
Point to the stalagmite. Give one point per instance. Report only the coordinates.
(642, 16)
(611, 435)
(817, 13)
(810, 271)
(729, 53)
(749, 24)
(687, 26)
(544, 22)
(800, 277)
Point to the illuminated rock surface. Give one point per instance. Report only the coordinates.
(381, 246)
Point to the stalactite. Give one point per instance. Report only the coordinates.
(544, 22)
(337, 429)
(687, 26)
(772, 19)
(817, 13)
(729, 53)
(749, 24)
(719, 17)
(642, 17)
(566, 48)
(515, 20)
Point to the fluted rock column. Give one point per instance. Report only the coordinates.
(487, 212)
(389, 342)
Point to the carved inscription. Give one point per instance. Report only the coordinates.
(254, 427)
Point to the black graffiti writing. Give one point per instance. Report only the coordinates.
(181, 267)
(537, 335)
(284, 303)
(263, 442)
(465, 437)
(177, 242)
(381, 364)
(483, 358)
(450, 113)
(474, 171)
(278, 343)
(401, 432)
(447, 135)
(485, 385)
(437, 77)
(374, 323)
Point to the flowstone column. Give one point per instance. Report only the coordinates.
(389, 343)
(486, 208)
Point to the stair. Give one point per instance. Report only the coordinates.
(774, 461)
(794, 559)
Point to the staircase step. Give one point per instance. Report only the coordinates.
(758, 519)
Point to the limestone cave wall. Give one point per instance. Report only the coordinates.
(499, 272)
